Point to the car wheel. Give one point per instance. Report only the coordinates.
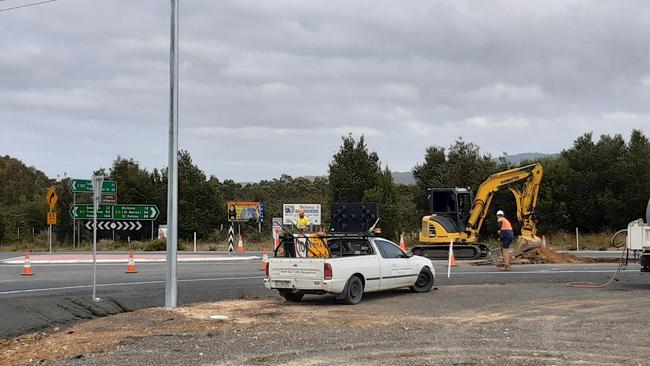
(292, 296)
(424, 282)
(353, 291)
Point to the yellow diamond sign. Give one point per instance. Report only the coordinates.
(51, 197)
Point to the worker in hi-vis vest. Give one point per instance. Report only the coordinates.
(506, 234)
(303, 221)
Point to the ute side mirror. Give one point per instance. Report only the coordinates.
(408, 255)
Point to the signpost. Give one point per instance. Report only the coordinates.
(115, 225)
(135, 212)
(109, 195)
(86, 186)
(110, 199)
(51, 218)
(97, 184)
(115, 212)
(84, 211)
(231, 239)
(290, 213)
(51, 198)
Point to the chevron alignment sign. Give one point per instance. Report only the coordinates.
(115, 225)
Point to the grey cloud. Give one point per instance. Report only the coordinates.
(264, 84)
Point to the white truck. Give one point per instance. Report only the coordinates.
(355, 265)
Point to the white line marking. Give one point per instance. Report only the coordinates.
(533, 272)
(62, 265)
(127, 284)
(36, 260)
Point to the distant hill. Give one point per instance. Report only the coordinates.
(515, 159)
(407, 177)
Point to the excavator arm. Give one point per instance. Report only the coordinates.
(525, 196)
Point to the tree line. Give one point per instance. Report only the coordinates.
(595, 185)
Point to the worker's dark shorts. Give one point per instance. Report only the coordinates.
(505, 242)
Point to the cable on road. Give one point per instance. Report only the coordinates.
(614, 276)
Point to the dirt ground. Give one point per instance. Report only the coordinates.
(491, 325)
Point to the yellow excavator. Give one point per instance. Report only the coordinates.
(456, 215)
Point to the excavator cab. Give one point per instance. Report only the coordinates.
(451, 206)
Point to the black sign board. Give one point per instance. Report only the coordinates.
(353, 217)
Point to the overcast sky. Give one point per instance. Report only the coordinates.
(268, 87)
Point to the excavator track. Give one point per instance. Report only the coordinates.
(461, 251)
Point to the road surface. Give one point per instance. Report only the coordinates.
(59, 294)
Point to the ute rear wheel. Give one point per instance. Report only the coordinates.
(291, 296)
(424, 282)
(353, 291)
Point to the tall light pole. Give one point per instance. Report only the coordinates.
(98, 183)
(172, 173)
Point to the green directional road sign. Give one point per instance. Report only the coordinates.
(86, 186)
(115, 212)
(85, 211)
(135, 212)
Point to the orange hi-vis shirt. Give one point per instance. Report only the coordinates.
(505, 224)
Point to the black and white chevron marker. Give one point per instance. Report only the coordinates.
(115, 225)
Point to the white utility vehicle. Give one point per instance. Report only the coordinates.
(353, 265)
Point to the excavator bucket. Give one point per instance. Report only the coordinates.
(524, 244)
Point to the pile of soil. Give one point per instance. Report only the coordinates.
(541, 255)
(545, 255)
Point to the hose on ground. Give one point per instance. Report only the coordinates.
(618, 245)
(614, 276)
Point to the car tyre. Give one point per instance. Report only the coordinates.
(424, 282)
(353, 291)
(292, 296)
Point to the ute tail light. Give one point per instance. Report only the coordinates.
(266, 268)
(327, 271)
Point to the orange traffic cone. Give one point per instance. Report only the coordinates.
(130, 268)
(240, 245)
(544, 241)
(401, 242)
(265, 260)
(27, 267)
(452, 259)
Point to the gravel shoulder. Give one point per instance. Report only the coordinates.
(512, 324)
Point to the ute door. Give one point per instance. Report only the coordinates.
(396, 269)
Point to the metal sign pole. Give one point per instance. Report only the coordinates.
(172, 176)
(74, 221)
(98, 181)
(49, 235)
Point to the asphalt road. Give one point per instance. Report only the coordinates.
(59, 294)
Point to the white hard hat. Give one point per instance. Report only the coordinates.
(500, 213)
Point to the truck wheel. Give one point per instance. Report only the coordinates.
(353, 291)
(292, 296)
(424, 283)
